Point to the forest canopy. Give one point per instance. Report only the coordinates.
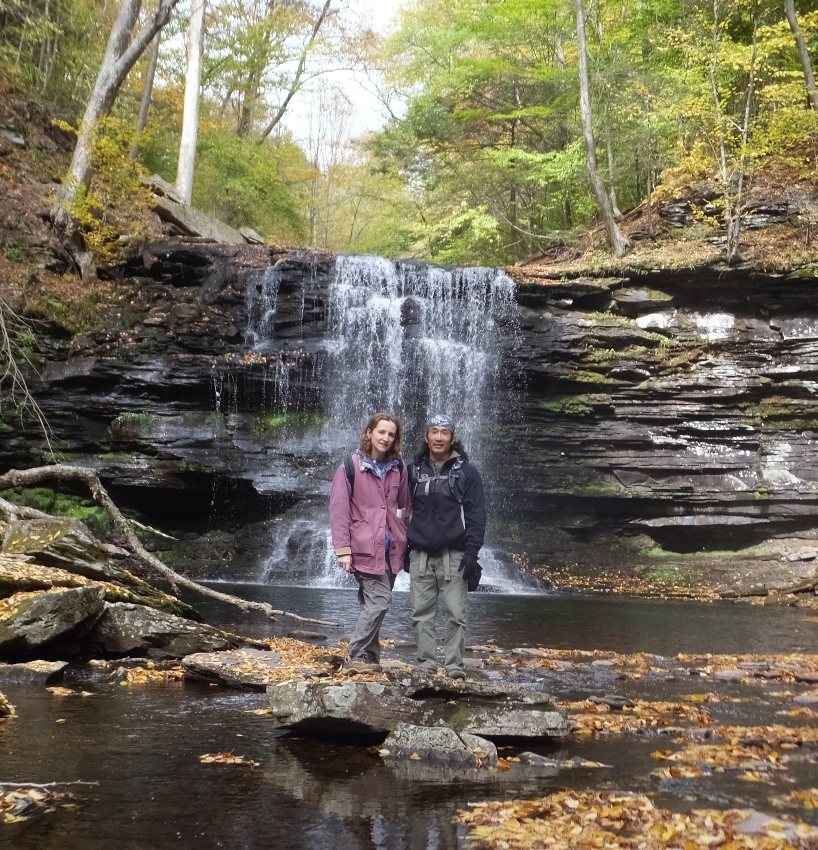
(482, 158)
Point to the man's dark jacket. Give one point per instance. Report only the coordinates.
(436, 518)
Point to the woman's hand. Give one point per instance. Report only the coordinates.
(345, 563)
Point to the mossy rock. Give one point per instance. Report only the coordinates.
(59, 504)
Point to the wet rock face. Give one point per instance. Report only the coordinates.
(28, 621)
(126, 629)
(664, 409)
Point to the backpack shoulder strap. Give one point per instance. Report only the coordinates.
(456, 480)
(349, 468)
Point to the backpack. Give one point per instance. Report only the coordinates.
(349, 469)
(453, 476)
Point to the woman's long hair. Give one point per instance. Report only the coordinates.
(366, 441)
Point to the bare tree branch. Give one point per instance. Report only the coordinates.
(83, 475)
(296, 84)
(12, 379)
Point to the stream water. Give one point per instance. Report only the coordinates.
(409, 338)
(142, 743)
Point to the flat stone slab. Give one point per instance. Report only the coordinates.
(439, 744)
(31, 673)
(238, 668)
(357, 706)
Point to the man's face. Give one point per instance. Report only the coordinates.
(439, 440)
(383, 436)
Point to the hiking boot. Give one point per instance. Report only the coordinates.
(361, 665)
(456, 673)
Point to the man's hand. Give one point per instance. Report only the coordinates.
(471, 569)
(345, 563)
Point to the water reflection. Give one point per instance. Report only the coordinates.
(142, 744)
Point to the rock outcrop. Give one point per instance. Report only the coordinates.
(440, 745)
(125, 629)
(357, 707)
(29, 621)
(240, 668)
(31, 672)
(659, 414)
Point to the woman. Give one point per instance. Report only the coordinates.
(368, 513)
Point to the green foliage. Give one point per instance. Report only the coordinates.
(74, 316)
(116, 202)
(245, 184)
(61, 504)
(578, 405)
(270, 421)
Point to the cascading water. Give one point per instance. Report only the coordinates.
(410, 339)
(414, 339)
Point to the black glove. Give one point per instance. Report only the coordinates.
(471, 569)
(406, 560)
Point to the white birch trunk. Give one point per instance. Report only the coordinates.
(619, 243)
(803, 53)
(120, 56)
(190, 117)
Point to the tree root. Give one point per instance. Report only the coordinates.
(61, 472)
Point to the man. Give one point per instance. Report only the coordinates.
(368, 508)
(445, 535)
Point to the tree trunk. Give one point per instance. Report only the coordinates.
(142, 120)
(190, 119)
(612, 190)
(803, 54)
(619, 243)
(120, 57)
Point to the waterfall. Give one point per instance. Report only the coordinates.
(414, 339)
(411, 339)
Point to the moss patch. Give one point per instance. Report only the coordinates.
(61, 504)
(269, 421)
(579, 405)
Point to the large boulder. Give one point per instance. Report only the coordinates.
(439, 744)
(30, 620)
(31, 672)
(240, 668)
(38, 554)
(60, 542)
(125, 629)
(361, 707)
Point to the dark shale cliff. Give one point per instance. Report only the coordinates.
(667, 421)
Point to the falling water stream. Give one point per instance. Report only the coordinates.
(411, 339)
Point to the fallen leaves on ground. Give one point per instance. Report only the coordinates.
(18, 804)
(808, 799)
(786, 668)
(580, 821)
(6, 708)
(783, 737)
(68, 692)
(226, 758)
(597, 718)
(142, 675)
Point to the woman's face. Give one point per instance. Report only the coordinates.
(382, 437)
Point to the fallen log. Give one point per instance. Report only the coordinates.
(83, 475)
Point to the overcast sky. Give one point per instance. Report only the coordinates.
(369, 114)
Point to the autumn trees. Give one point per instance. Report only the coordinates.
(503, 143)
